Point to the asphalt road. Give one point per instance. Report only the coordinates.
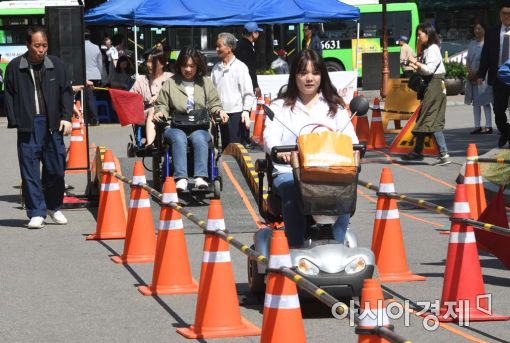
(57, 287)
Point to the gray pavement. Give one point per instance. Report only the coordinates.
(57, 287)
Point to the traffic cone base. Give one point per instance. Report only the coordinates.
(109, 235)
(473, 316)
(400, 277)
(133, 259)
(245, 329)
(191, 288)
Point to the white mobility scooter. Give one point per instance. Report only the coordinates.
(337, 267)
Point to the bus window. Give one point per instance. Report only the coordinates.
(13, 28)
(398, 24)
(339, 35)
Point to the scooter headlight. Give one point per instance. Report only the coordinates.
(307, 267)
(356, 265)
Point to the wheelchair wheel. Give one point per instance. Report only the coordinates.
(130, 150)
(256, 282)
(217, 189)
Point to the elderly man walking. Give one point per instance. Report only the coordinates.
(232, 80)
(39, 103)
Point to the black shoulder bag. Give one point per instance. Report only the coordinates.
(193, 120)
(419, 83)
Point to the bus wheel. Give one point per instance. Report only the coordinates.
(334, 66)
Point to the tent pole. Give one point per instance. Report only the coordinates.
(357, 44)
(136, 50)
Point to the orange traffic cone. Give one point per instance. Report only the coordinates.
(494, 242)
(258, 128)
(281, 304)
(171, 274)
(387, 241)
(362, 128)
(474, 183)
(111, 214)
(77, 159)
(217, 312)
(373, 312)
(464, 298)
(140, 243)
(376, 136)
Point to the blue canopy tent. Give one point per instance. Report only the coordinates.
(217, 13)
(228, 12)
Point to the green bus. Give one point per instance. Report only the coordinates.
(15, 18)
(339, 38)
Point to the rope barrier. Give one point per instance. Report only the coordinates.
(431, 206)
(340, 307)
(488, 160)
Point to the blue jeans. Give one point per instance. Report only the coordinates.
(441, 142)
(295, 220)
(179, 141)
(47, 147)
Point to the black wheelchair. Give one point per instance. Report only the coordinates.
(162, 162)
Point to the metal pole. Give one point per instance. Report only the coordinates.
(136, 49)
(385, 69)
(357, 47)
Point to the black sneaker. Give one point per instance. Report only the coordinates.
(412, 156)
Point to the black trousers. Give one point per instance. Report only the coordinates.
(91, 107)
(501, 94)
(234, 131)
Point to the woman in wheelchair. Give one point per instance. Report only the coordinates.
(149, 87)
(189, 95)
(310, 98)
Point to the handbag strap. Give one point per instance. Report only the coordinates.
(423, 59)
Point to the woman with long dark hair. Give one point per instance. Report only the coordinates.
(188, 90)
(122, 76)
(149, 86)
(310, 98)
(433, 105)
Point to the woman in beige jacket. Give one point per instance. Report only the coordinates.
(186, 91)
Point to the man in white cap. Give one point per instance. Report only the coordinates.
(405, 53)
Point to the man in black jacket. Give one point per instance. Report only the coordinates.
(496, 50)
(39, 103)
(246, 53)
(311, 39)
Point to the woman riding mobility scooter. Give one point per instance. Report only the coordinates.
(316, 194)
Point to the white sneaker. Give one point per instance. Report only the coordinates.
(201, 183)
(181, 185)
(36, 223)
(58, 217)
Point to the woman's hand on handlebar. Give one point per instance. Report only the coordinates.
(284, 156)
